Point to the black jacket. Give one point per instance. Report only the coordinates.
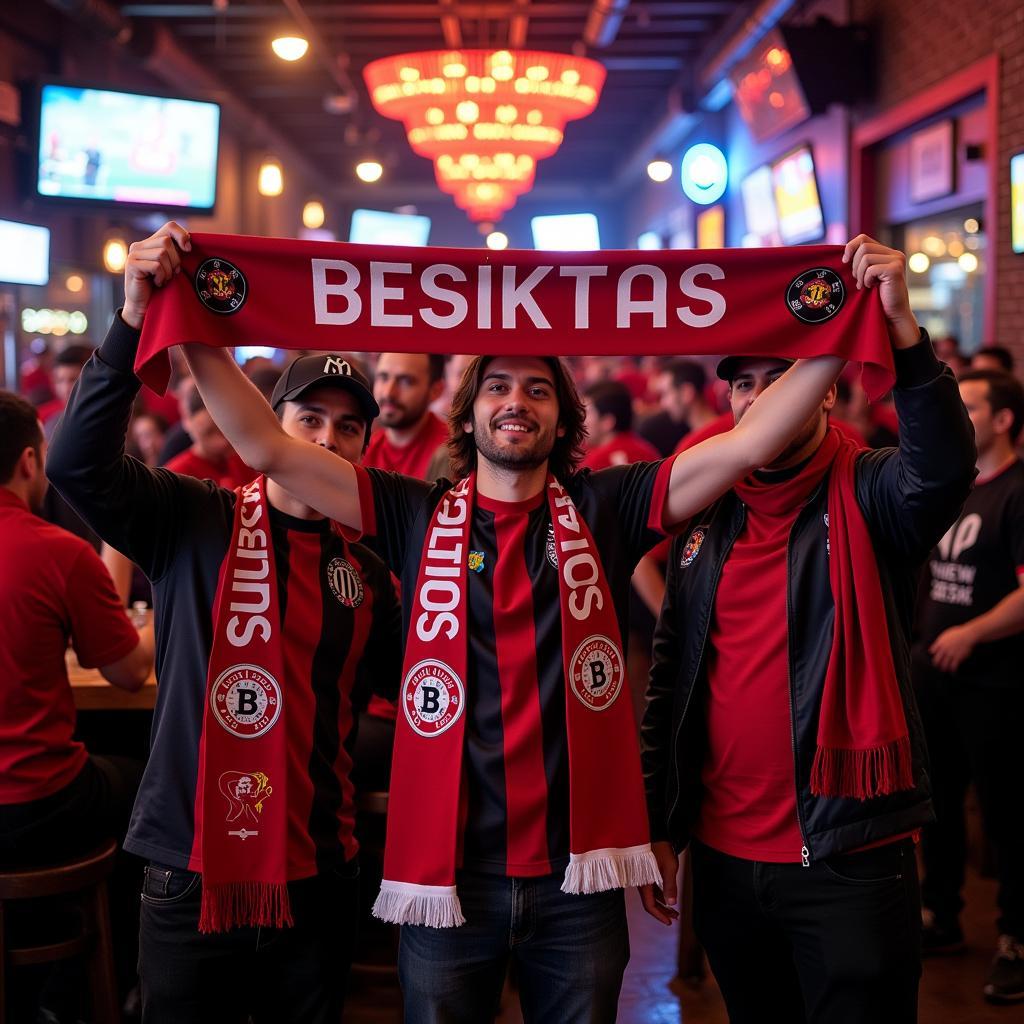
(909, 495)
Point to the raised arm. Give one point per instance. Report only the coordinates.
(312, 474)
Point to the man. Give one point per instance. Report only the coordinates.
(270, 627)
(609, 423)
(410, 435)
(515, 591)
(56, 798)
(968, 675)
(781, 739)
(209, 456)
(993, 357)
(66, 367)
(681, 387)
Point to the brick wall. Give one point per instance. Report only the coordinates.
(923, 41)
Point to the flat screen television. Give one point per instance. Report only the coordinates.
(570, 232)
(126, 147)
(24, 253)
(1017, 202)
(711, 228)
(759, 206)
(381, 227)
(796, 197)
(767, 91)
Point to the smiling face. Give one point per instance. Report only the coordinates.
(515, 413)
(330, 417)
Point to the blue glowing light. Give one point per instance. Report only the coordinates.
(704, 173)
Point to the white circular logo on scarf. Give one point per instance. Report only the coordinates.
(549, 547)
(433, 697)
(596, 673)
(246, 700)
(345, 582)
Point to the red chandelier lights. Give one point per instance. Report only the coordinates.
(484, 117)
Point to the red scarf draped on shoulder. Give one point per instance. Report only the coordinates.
(863, 747)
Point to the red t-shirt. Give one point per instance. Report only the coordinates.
(749, 805)
(413, 458)
(620, 451)
(53, 588)
(726, 422)
(230, 474)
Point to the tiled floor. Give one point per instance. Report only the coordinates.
(950, 989)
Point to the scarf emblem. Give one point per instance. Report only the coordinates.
(221, 286)
(693, 545)
(345, 583)
(433, 697)
(246, 701)
(816, 295)
(245, 793)
(596, 673)
(476, 561)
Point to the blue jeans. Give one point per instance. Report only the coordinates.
(570, 953)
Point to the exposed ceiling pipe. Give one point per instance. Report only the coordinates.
(519, 25)
(162, 56)
(603, 21)
(451, 27)
(334, 64)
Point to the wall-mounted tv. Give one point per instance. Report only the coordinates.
(570, 232)
(796, 197)
(381, 227)
(711, 228)
(126, 147)
(1017, 202)
(768, 93)
(759, 211)
(24, 253)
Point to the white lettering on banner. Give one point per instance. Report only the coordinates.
(580, 569)
(337, 302)
(441, 590)
(252, 544)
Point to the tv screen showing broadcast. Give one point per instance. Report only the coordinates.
(125, 147)
(380, 227)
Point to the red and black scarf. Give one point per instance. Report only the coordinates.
(863, 747)
(609, 842)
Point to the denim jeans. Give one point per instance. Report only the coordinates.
(838, 942)
(570, 953)
(275, 976)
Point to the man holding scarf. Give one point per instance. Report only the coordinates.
(270, 628)
(781, 739)
(516, 814)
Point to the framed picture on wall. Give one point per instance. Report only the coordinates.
(1017, 202)
(931, 162)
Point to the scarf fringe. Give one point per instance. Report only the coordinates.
(862, 774)
(229, 905)
(601, 870)
(436, 906)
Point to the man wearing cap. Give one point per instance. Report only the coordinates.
(270, 628)
(781, 739)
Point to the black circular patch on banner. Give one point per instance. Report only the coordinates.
(816, 295)
(221, 286)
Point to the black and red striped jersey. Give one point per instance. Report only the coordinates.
(516, 754)
(341, 623)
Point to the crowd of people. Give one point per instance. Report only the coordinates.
(423, 575)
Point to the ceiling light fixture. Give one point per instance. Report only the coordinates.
(270, 181)
(313, 215)
(485, 117)
(115, 254)
(659, 170)
(369, 171)
(290, 48)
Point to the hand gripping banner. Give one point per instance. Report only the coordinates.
(337, 296)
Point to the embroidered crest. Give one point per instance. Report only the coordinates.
(221, 286)
(245, 793)
(596, 673)
(692, 547)
(345, 583)
(433, 697)
(246, 700)
(549, 547)
(476, 561)
(816, 295)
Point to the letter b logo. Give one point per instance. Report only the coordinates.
(246, 702)
(598, 678)
(431, 700)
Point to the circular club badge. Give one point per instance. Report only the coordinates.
(693, 546)
(816, 295)
(596, 672)
(246, 700)
(433, 697)
(345, 582)
(221, 286)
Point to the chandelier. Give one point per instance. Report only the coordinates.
(484, 117)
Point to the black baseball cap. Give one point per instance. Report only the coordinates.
(325, 370)
(727, 367)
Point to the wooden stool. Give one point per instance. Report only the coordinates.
(88, 877)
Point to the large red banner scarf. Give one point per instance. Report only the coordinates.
(241, 821)
(237, 290)
(608, 834)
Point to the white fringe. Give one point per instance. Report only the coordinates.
(601, 870)
(436, 906)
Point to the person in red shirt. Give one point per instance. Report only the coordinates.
(66, 367)
(409, 436)
(209, 457)
(57, 799)
(609, 423)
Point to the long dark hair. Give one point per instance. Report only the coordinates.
(567, 452)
